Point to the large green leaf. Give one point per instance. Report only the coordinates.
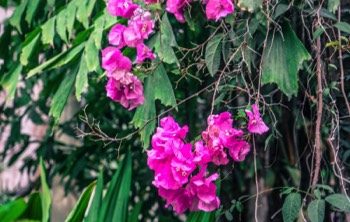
(249, 5)
(71, 11)
(9, 82)
(96, 201)
(12, 210)
(78, 212)
(46, 195)
(82, 78)
(283, 57)
(31, 9)
(164, 90)
(165, 41)
(92, 56)
(343, 26)
(316, 210)
(17, 16)
(60, 98)
(82, 13)
(339, 201)
(48, 31)
(29, 46)
(213, 54)
(115, 204)
(146, 112)
(34, 208)
(61, 25)
(291, 207)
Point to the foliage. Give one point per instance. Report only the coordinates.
(289, 57)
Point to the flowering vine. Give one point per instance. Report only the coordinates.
(175, 161)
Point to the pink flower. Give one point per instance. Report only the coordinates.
(128, 91)
(176, 7)
(143, 28)
(202, 155)
(123, 8)
(217, 9)
(114, 61)
(115, 36)
(204, 191)
(150, 1)
(141, 14)
(256, 125)
(143, 53)
(131, 37)
(181, 169)
(172, 128)
(239, 150)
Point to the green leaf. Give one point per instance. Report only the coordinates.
(12, 210)
(46, 195)
(213, 54)
(82, 78)
(51, 3)
(61, 25)
(78, 212)
(82, 13)
(165, 41)
(333, 5)
(58, 60)
(98, 31)
(92, 56)
(96, 201)
(343, 26)
(34, 209)
(90, 7)
(17, 16)
(60, 98)
(146, 112)
(249, 5)
(317, 33)
(71, 11)
(133, 217)
(280, 10)
(10, 81)
(316, 210)
(31, 9)
(291, 207)
(164, 90)
(283, 57)
(29, 46)
(115, 204)
(339, 201)
(48, 31)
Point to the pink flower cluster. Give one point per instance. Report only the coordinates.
(122, 85)
(174, 161)
(215, 9)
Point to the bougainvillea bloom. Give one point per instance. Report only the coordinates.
(176, 7)
(115, 36)
(113, 60)
(255, 124)
(202, 155)
(239, 150)
(123, 8)
(217, 9)
(143, 52)
(142, 28)
(128, 90)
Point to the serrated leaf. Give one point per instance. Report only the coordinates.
(96, 201)
(145, 112)
(82, 13)
(92, 56)
(61, 25)
(60, 98)
(213, 54)
(71, 11)
(115, 204)
(82, 78)
(12, 210)
(29, 46)
(58, 60)
(78, 212)
(164, 90)
(291, 207)
(333, 5)
(316, 210)
(343, 26)
(165, 41)
(339, 201)
(48, 31)
(10, 81)
(31, 9)
(98, 31)
(283, 57)
(17, 16)
(249, 5)
(45, 193)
